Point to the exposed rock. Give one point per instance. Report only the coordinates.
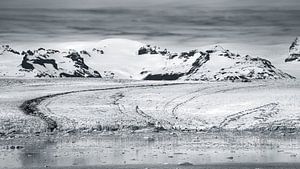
(26, 65)
(109, 74)
(166, 76)
(84, 52)
(204, 57)
(294, 51)
(19, 147)
(217, 64)
(79, 62)
(7, 48)
(98, 51)
(148, 49)
(187, 55)
(53, 63)
(185, 164)
(124, 59)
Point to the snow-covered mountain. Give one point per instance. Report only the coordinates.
(44, 63)
(119, 58)
(294, 51)
(216, 64)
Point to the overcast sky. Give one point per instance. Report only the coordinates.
(178, 22)
(291, 4)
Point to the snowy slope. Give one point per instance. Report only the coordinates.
(127, 59)
(44, 63)
(294, 51)
(112, 58)
(10, 61)
(217, 64)
(121, 57)
(55, 63)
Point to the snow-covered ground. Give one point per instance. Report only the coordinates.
(122, 122)
(15, 91)
(101, 105)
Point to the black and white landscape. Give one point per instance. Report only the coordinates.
(149, 84)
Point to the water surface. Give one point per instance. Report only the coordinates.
(149, 149)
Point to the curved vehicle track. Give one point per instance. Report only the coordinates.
(194, 95)
(30, 107)
(140, 106)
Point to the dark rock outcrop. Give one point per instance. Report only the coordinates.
(217, 64)
(98, 51)
(148, 49)
(166, 76)
(26, 65)
(294, 51)
(37, 58)
(7, 48)
(53, 63)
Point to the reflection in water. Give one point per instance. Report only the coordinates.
(165, 149)
(36, 153)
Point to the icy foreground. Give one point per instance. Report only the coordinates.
(91, 105)
(126, 59)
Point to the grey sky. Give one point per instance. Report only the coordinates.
(291, 4)
(179, 22)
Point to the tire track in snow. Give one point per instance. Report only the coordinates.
(180, 104)
(30, 107)
(156, 122)
(44, 108)
(118, 96)
(264, 109)
(178, 97)
(148, 119)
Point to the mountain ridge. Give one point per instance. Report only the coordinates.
(294, 51)
(118, 58)
(219, 64)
